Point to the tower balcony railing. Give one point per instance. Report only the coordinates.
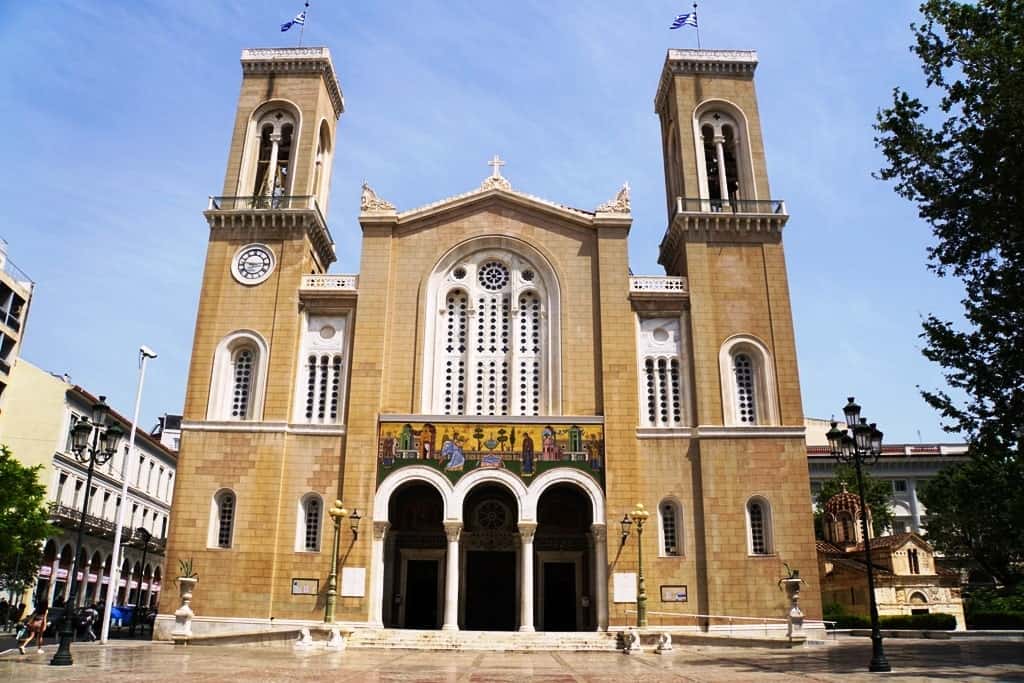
(265, 203)
(658, 284)
(331, 283)
(737, 206)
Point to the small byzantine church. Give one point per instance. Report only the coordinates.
(494, 390)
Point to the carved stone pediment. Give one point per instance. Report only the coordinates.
(369, 201)
(620, 203)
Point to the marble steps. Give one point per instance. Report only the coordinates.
(494, 641)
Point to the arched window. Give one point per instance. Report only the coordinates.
(915, 565)
(748, 383)
(490, 348)
(274, 157)
(847, 533)
(238, 378)
(759, 526)
(222, 519)
(671, 519)
(661, 381)
(322, 167)
(320, 390)
(310, 515)
(724, 166)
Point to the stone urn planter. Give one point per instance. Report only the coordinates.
(791, 584)
(183, 615)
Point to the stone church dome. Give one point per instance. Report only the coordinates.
(844, 501)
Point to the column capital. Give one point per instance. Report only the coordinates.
(600, 532)
(527, 531)
(380, 529)
(453, 530)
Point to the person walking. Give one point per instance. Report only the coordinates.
(36, 626)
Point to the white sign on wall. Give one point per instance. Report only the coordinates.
(624, 587)
(353, 582)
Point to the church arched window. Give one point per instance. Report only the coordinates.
(491, 349)
(222, 519)
(310, 515)
(239, 377)
(759, 526)
(274, 157)
(724, 165)
(322, 166)
(748, 385)
(661, 380)
(671, 518)
(320, 388)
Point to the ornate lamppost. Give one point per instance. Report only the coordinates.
(638, 516)
(861, 444)
(105, 439)
(338, 513)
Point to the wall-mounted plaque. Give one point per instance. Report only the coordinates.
(624, 587)
(353, 582)
(305, 586)
(673, 593)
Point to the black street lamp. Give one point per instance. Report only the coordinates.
(105, 439)
(143, 533)
(861, 444)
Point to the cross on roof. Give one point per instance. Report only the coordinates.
(496, 163)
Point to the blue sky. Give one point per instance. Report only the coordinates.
(118, 117)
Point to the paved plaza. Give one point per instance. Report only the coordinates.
(845, 660)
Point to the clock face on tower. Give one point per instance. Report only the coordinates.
(252, 264)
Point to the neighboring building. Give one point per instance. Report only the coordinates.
(907, 578)
(168, 431)
(506, 392)
(906, 466)
(15, 297)
(37, 425)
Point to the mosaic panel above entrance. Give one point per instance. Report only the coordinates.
(524, 449)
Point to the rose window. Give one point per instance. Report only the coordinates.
(491, 515)
(493, 275)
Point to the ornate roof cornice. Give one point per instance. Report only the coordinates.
(715, 62)
(315, 60)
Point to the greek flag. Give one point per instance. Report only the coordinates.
(680, 21)
(299, 19)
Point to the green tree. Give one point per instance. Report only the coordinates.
(975, 514)
(963, 165)
(24, 521)
(877, 494)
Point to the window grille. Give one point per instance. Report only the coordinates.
(746, 408)
(323, 387)
(663, 389)
(244, 361)
(669, 528)
(312, 536)
(225, 519)
(455, 348)
(758, 540)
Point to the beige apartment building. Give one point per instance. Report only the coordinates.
(494, 390)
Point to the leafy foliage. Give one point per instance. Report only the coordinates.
(877, 494)
(974, 516)
(964, 168)
(24, 521)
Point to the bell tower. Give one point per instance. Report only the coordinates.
(724, 236)
(257, 407)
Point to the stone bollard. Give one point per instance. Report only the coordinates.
(336, 642)
(305, 641)
(664, 643)
(631, 642)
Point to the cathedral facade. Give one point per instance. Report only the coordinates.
(494, 390)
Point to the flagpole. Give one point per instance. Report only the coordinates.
(697, 25)
(302, 27)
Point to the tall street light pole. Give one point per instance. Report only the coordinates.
(105, 440)
(861, 444)
(337, 513)
(145, 353)
(143, 533)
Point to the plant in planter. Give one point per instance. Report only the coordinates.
(187, 579)
(791, 584)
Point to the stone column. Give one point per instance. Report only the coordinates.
(723, 183)
(380, 530)
(526, 532)
(600, 532)
(451, 578)
(275, 140)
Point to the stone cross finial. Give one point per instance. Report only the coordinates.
(496, 181)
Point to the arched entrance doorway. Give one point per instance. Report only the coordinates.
(564, 549)
(414, 559)
(490, 559)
